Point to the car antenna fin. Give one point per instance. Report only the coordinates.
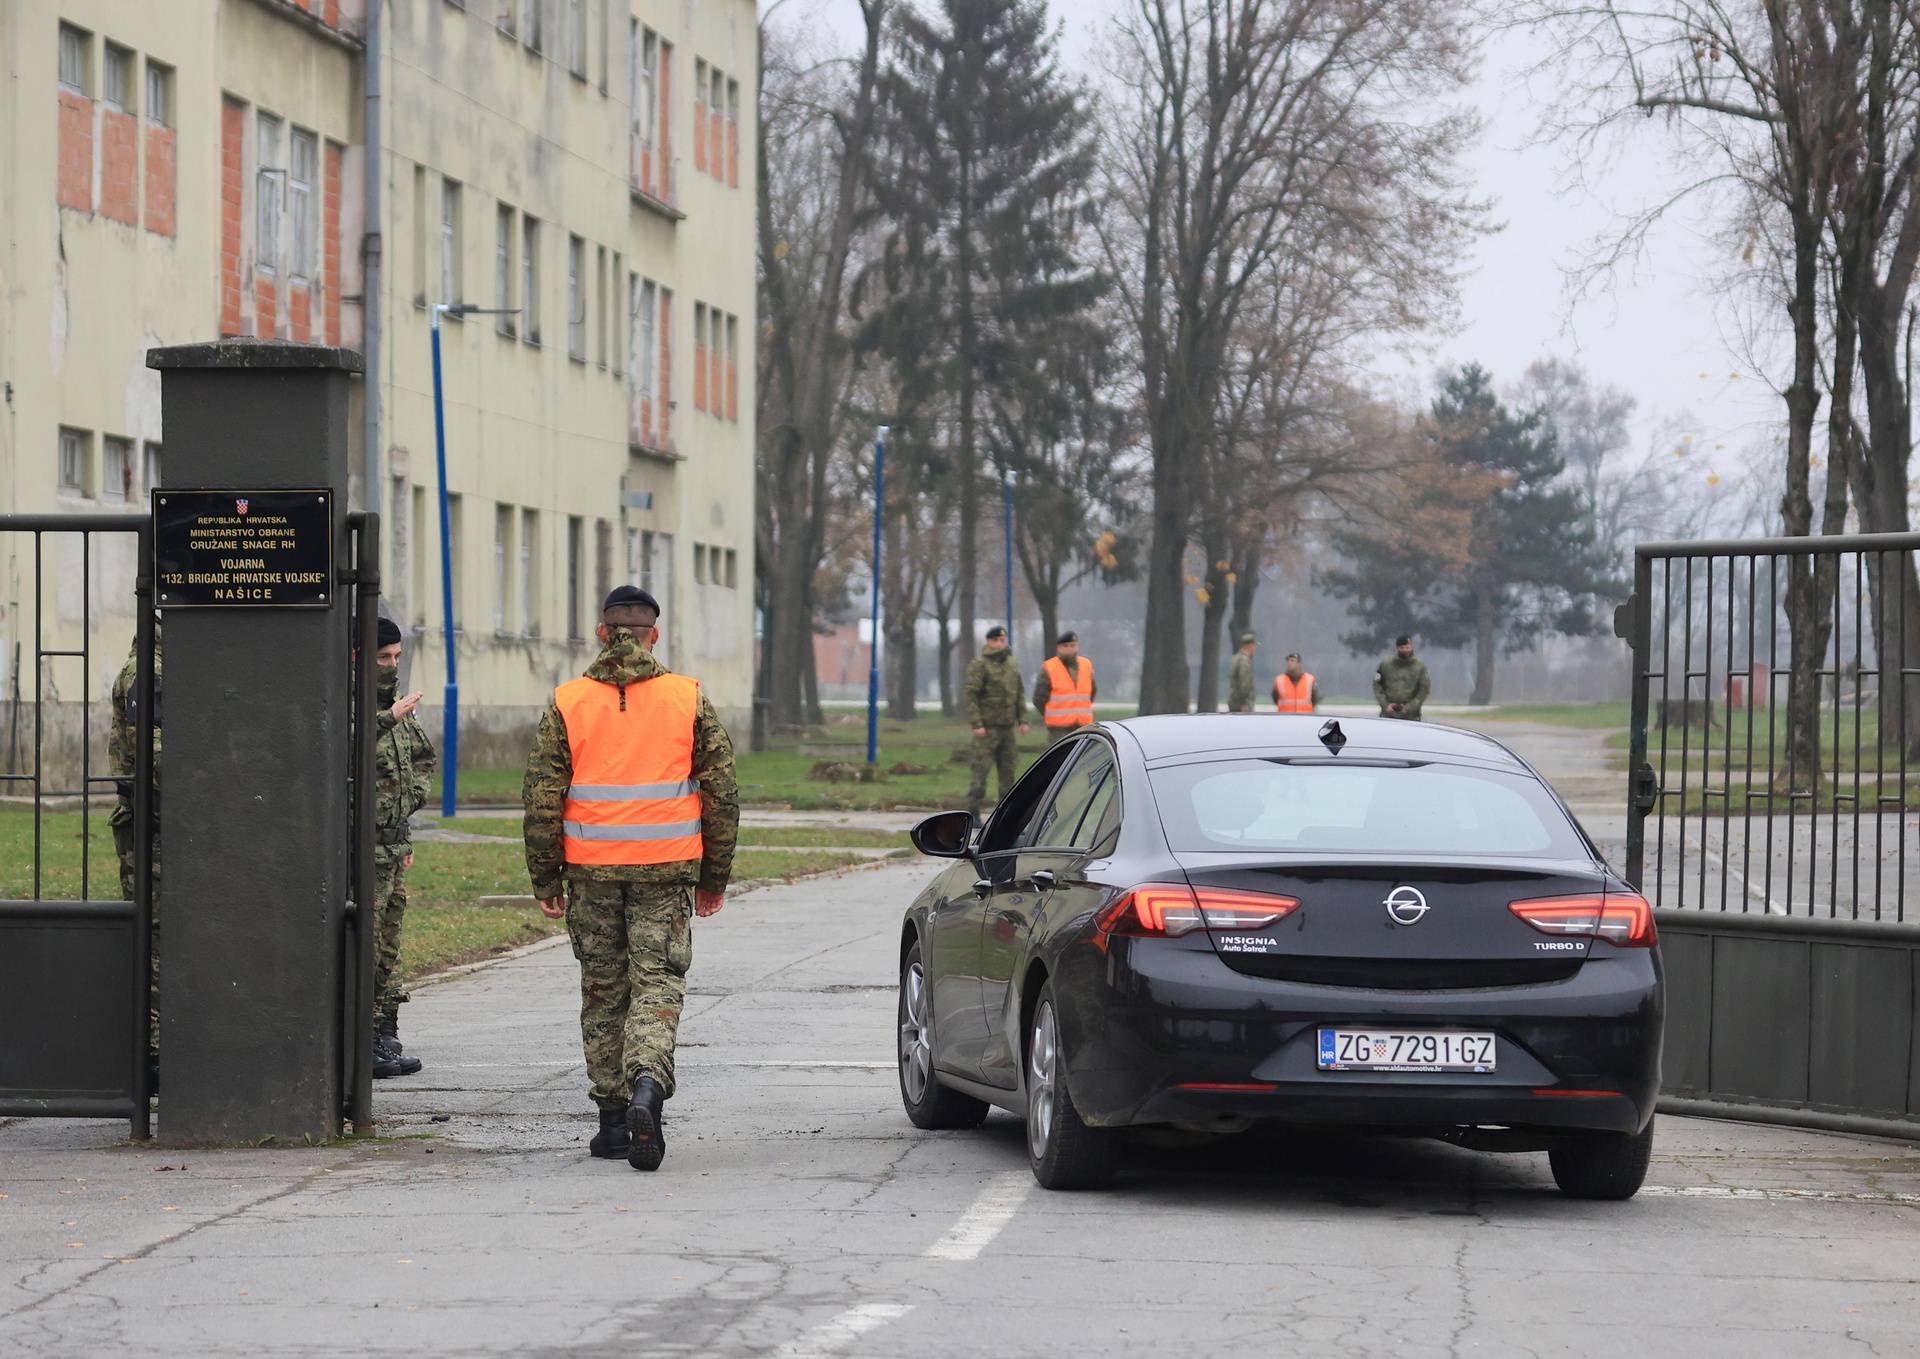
(1332, 737)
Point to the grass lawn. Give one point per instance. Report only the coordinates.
(444, 925)
(1588, 716)
(792, 837)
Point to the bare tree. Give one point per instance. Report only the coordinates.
(815, 122)
(1234, 123)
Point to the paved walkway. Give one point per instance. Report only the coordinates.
(800, 1214)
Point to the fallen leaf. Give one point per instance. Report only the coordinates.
(403, 1262)
(171, 1208)
(75, 1245)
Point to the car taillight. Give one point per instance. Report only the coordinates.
(1166, 910)
(1623, 920)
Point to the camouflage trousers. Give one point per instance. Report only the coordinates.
(1055, 735)
(389, 911)
(996, 749)
(124, 843)
(634, 941)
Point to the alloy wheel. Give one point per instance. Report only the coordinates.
(1042, 1064)
(916, 1051)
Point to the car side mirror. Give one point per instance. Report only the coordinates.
(944, 835)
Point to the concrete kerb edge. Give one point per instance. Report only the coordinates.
(739, 889)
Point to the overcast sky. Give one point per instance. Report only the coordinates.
(1659, 331)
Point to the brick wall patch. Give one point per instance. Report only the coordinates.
(119, 165)
(160, 180)
(76, 152)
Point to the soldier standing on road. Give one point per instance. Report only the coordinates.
(1063, 691)
(996, 704)
(1240, 675)
(1294, 690)
(1400, 685)
(122, 757)
(631, 803)
(404, 761)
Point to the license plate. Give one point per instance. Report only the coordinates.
(1404, 1050)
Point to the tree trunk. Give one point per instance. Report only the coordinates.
(1807, 615)
(1049, 606)
(1881, 480)
(1163, 649)
(1246, 583)
(1486, 635)
(789, 617)
(1206, 697)
(903, 666)
(810, 689)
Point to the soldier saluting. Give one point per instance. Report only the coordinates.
(631, 803)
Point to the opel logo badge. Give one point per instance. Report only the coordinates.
(1405, 905)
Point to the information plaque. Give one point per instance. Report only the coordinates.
(243, 549)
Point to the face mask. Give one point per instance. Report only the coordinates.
(389, 682)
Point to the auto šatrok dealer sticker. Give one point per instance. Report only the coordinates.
(258, 549)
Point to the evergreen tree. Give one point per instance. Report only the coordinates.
(1491, 547)
(981, 171)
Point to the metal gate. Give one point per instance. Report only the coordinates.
(74, 972)
(1773, 820)
(75, 966)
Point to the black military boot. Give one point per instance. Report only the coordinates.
(387, 1062)
(389, 1029)
(649, 1145)
(613, 1141)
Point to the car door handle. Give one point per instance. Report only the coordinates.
(1042, 881)
(981, 887)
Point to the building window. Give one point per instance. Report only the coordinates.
(503, 270)
(602, 559)
(159, 94)
(576, 529)
(600, 308)
(699, 356)
(503, 17)
(733, 134)
(699, 114)
(615, 311)
(75, 449)
(530, 573)
(269, 183)
(116, 78)
(606, 40)
(149, 468)
(699, 564)
(577, 37)
(405, 547)
(301, 175)
(502, 565)
(532, 30)
(576, 300)
(76, 44)
(530, 277)
(733, 567)
(716, 126)
(419, 235)
(450, 289)
(733, 367)
(417, 589)
(116, 470)
(456, 553)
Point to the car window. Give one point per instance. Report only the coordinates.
(1424, 809)
(1055, 826)
(1008, 825)
(1103, 813)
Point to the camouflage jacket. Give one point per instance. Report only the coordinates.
(550, 772)
(404, 761)
(121, 746)
(1043, 685)
(1404, 682)
(996, 696)
(1240, 683)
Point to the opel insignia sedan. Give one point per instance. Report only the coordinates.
(1204, 922)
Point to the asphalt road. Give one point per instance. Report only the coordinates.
(799, 1214)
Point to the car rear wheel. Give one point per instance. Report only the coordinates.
(929, 1104)
(1065, 1153)
(1602, 1165)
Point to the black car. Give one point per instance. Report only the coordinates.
(1208, 921)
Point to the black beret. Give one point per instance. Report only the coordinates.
(626, 596)
(1248, 639)
(388, 632)
(995, 631)
(1403, 640)
(1067, 637)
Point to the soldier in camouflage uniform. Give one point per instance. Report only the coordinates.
(404, 762)
(996, 704)
(122, 755)
(629, 922)
(1240, 675)
(1401, 684)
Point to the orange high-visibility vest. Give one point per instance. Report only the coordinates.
(633, 799)
(1293, 696)
(1070, 703)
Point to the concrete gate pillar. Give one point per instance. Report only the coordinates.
(255, 780)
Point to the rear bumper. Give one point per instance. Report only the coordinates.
(1166, 1033)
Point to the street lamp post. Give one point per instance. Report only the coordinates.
(873, 646)
(450, 700)
(1006, 505)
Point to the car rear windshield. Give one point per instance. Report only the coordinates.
(1252, 804)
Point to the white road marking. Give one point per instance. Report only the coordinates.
(1722, 1191)
(977, 1227)
(833, 1336)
